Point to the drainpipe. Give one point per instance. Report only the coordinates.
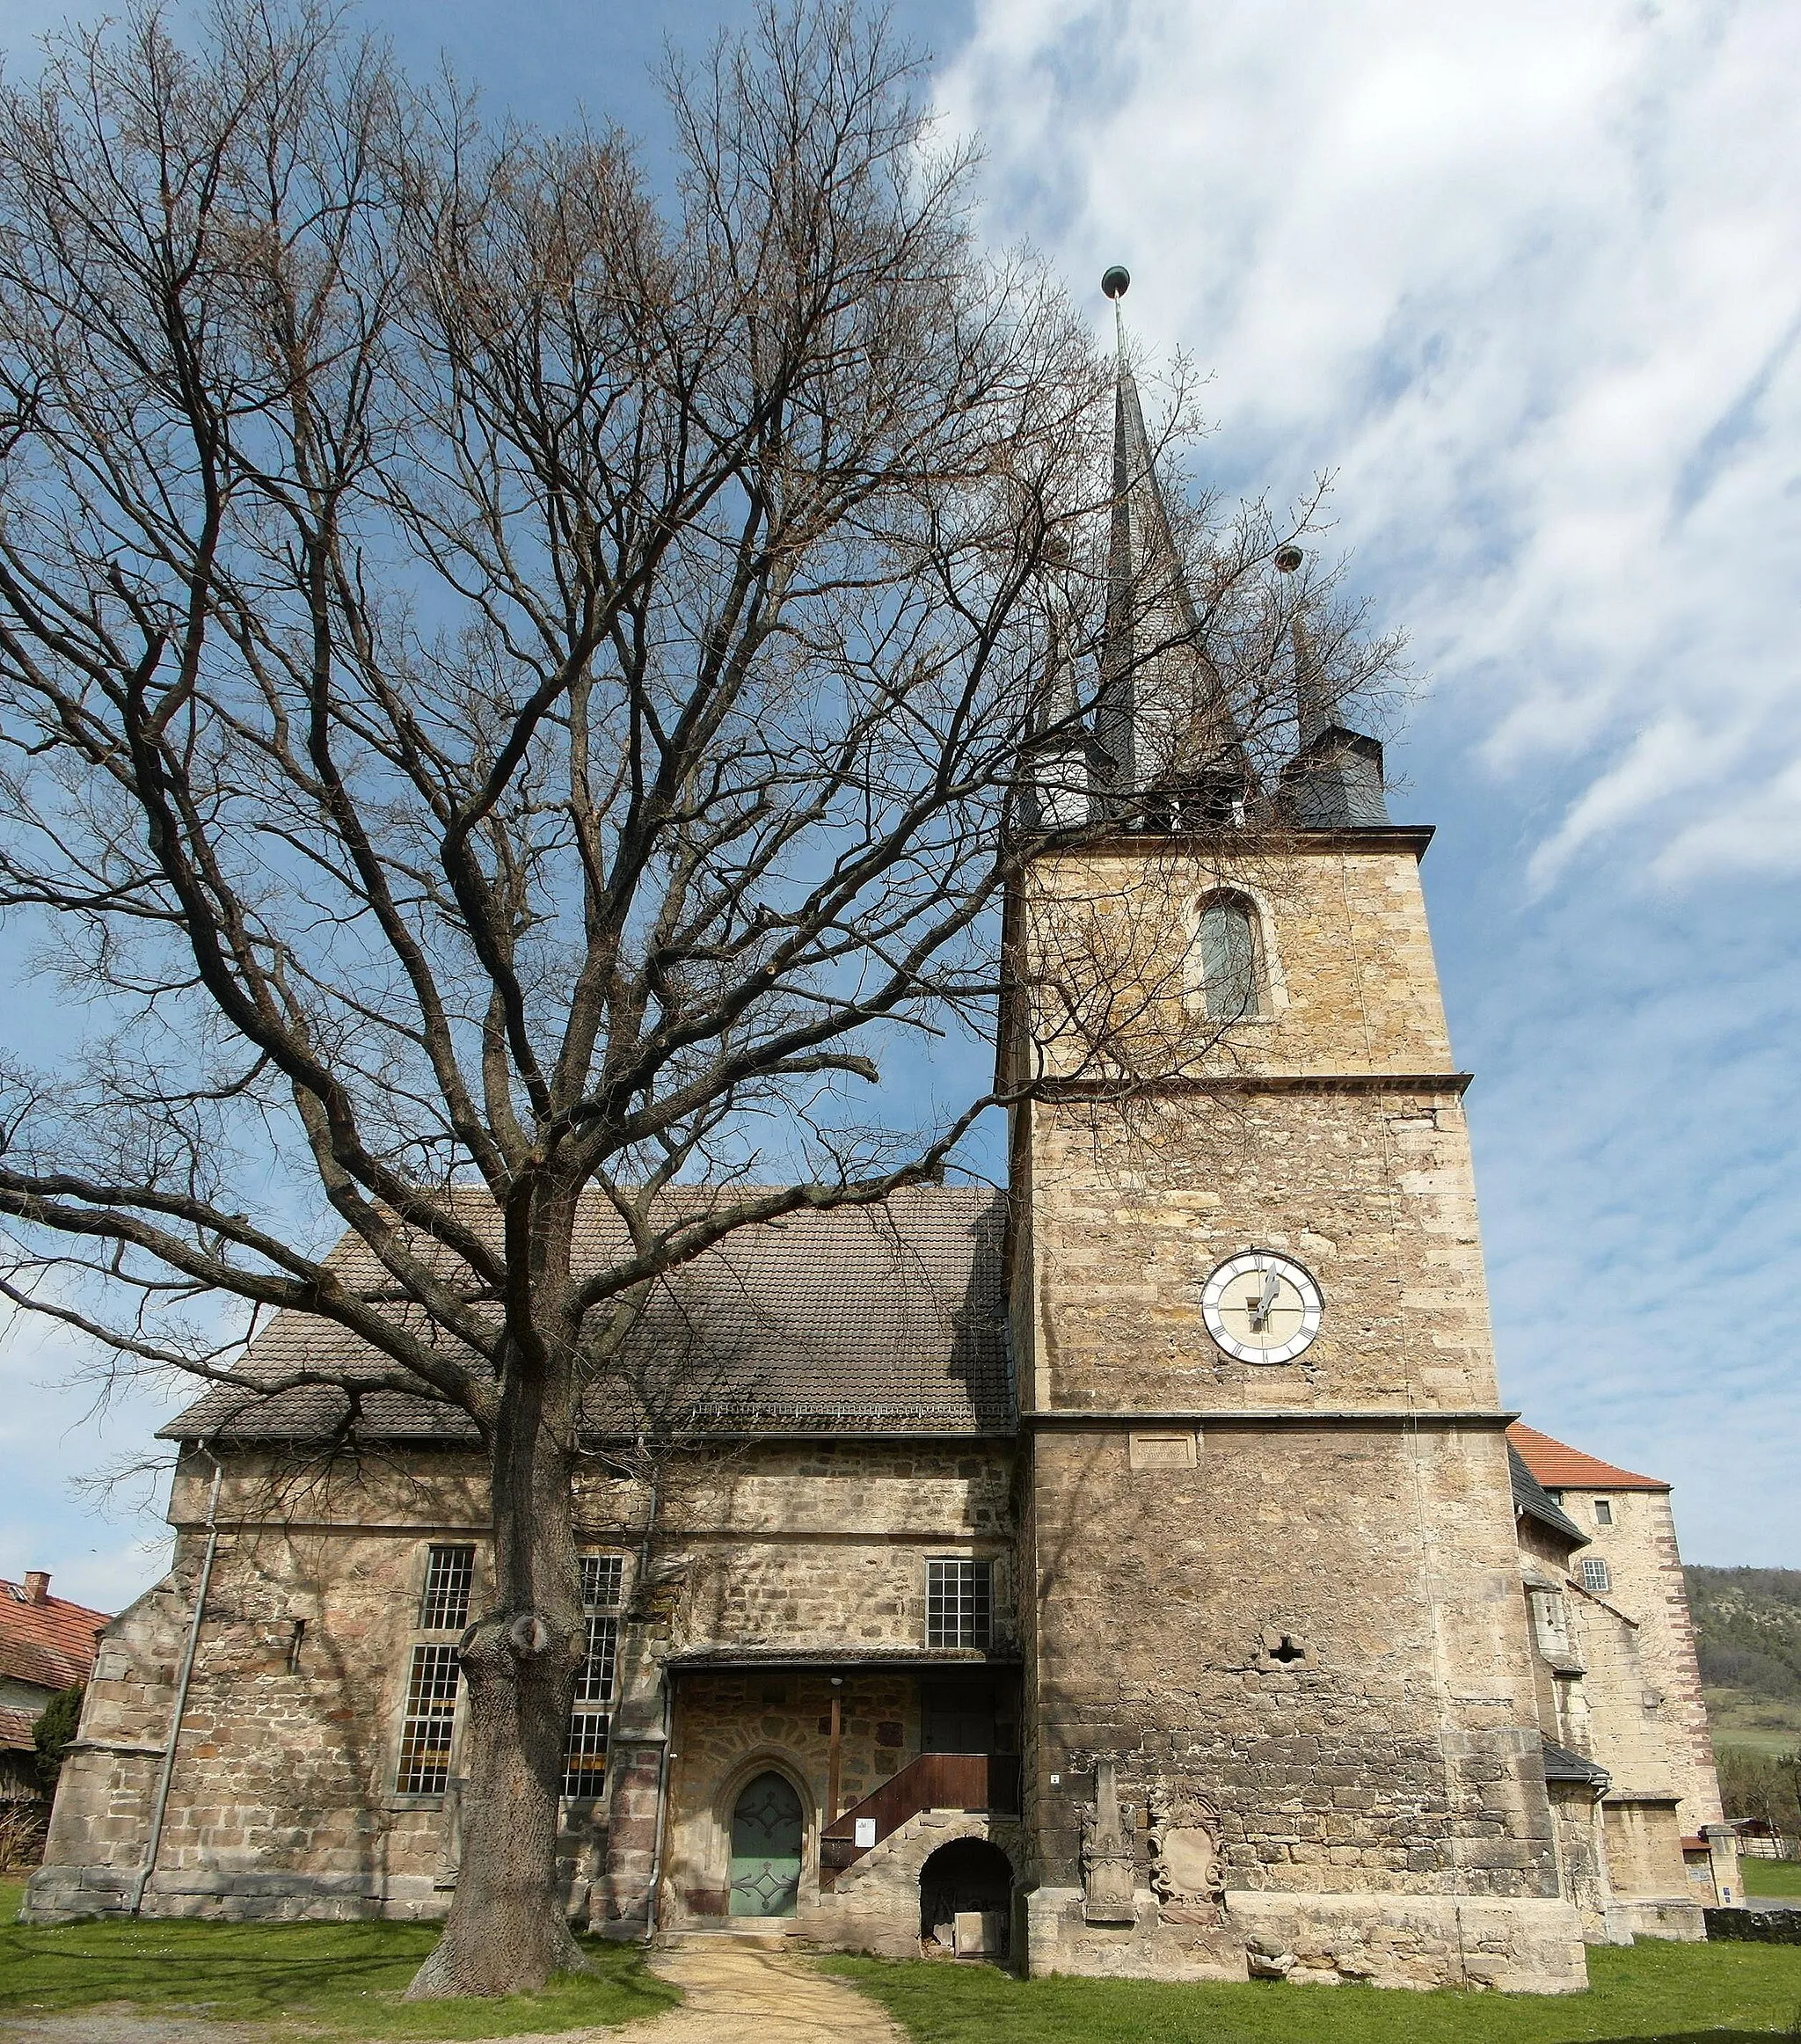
(160, 1805)
(650, 1921)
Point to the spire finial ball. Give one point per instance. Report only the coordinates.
(1116, 282)
(1287, 558)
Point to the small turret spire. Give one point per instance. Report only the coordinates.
(1313, 708)
(1334, 782)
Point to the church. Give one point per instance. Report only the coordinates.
(1132, 1571)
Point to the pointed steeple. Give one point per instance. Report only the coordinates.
(1058, 786)
(1334, 782)
(1163, 727)
(1313, 704)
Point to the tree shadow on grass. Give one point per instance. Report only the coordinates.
(246, 1975)
(311, 1972)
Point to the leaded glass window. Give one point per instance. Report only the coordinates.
(585, 1748)
(449, 1577)
(958, 1603)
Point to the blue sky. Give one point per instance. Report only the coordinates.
(1528, 281)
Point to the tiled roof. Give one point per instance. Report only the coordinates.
(1529, 1497)
(16, 1730)
(1560, 1467)
(50, 1644)
(888, 1319)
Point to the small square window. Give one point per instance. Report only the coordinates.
(959, 1599)
(449, 1577)
(1603, 1511)
(1595, 1578)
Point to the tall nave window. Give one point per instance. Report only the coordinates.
(434, 1674)
(590, 1714)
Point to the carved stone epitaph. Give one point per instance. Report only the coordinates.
(1106, 1853)
(1187, 1874)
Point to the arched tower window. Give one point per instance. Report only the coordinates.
(1231, 959)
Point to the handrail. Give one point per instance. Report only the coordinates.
(933, 1781)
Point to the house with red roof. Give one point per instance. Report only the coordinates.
(46, 1644)
(1628, 1758)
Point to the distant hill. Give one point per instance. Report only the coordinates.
(1747, 1627)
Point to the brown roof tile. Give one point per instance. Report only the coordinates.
(859, 1320)
(49, 1644)
(1560, 1467)
(16, 1730)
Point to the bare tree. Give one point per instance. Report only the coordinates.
(517, 697)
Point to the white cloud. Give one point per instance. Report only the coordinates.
(1530, 279)
(57, 1431)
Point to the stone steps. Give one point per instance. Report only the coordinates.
(747, 1933)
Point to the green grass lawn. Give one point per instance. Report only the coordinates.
(1697, 1994)
(1772, 1741)
(343, 1979)
(1770, 1877)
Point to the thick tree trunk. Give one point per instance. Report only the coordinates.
(506, 1932)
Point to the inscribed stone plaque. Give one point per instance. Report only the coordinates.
(1161, 1450)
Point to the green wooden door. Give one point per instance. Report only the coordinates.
(766, 1849)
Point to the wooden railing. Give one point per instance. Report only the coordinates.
(935, 1781)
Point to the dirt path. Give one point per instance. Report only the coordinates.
(103, 2026)
(736, 1996)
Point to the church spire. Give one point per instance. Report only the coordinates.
(1058, 784)
(1313, 704)
(1334, 782)
(1162, 724)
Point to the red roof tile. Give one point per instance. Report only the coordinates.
(16, 1730)
(1560, 1467)
(49, 1644)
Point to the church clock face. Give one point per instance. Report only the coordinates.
(1262, 1306)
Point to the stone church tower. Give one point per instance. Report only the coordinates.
(1268, 1559)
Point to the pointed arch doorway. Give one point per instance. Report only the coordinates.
(766, 1844)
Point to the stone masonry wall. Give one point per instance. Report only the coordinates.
(1640, 1550)
(1371, 1191)
(280, 1801)
(1351, 982)
(283, 1799)
(1398, 1753)
(1311, 1619)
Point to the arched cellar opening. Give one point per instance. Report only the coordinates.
(965, 1898)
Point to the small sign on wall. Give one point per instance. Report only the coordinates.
(865, 1828)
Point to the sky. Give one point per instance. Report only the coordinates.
(1525, 281)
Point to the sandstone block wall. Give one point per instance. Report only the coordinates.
(1352, 985)
(1309, 1616)
(1640, 1550)
(1372, 1191)
(282, 1799)
(1397, 1751)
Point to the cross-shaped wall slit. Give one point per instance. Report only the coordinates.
(1286, 1650)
